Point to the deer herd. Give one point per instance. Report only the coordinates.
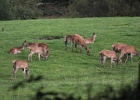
(78, 41)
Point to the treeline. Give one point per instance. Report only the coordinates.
(31, 9)
(19, 9)
(98, 8)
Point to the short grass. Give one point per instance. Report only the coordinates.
(67, 71)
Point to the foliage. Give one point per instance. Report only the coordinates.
(90, 8)
(19, 9)
(25, 9)
(5, 10)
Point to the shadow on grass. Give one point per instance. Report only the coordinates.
(127, 92)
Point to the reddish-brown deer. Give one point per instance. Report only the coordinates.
(116, 47)
(39, 48)
(90, 40)
(16, 50)
(104, 54)
(68, 38)
(79, 40)
(19, 64)
(128, 50)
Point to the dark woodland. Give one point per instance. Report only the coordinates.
(33, 9)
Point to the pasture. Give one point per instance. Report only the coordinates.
(67, 71)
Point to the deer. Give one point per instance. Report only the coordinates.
(20, 64)
(128, 50)
(16, 50)
(104, 54)
(39, 48)
(68, 38)
(79, 40)
(90, 40)
(116, 47)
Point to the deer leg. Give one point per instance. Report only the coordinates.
(103, 58)
(25, 73)
(72, 46)
(111, 62)
(48, 53)
(30, 55)
(39, 56)
(126, 58)
(66, 42)
(76, 47)
(131, 57)
(12, 73)
(80, 48)
(121, 55)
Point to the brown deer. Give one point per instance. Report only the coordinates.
(39, 48)
(79, 40)
(128, 50)
(116, 47)
(104, 54)
(68, 38)
(20, 64)
(16, 50)
(90, 40)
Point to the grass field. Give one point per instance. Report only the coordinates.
(67, 71)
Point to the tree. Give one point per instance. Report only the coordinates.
(5, 10)
(89, 8)
(25, 9)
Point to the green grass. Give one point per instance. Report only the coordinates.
(67, 71)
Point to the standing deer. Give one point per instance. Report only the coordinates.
(79, 40)
(16, 50)
(104, 54)
(128, 50)
(22, 65)
(90, 40)
(39, 48)
(68, 38)
(117, 47)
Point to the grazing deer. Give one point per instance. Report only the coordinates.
(68, 38)
(39, 48)
(79, 40)
(104, 54)
(128, 50)
(16, 50)
(116, 47)
(90, 40)
(22, 65)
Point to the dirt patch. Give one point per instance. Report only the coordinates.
(51, 37)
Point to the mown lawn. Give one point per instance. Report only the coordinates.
(67, 71)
